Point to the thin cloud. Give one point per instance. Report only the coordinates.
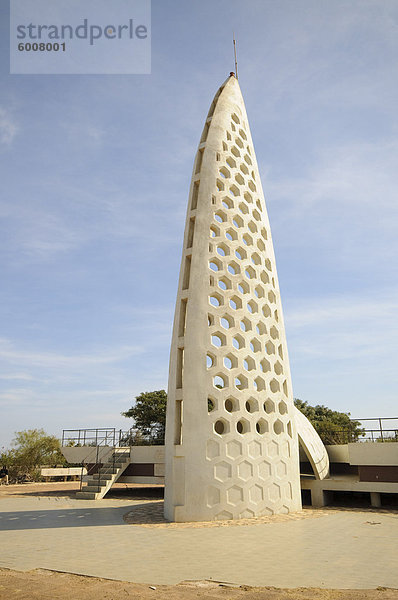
(8, 128)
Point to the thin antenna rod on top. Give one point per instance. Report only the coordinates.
(236, 61)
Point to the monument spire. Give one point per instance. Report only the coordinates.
(231, 439)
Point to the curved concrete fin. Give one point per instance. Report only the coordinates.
(312, 445)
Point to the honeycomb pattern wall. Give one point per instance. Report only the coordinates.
(231, 439)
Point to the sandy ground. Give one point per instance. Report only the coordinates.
(49, 585)
(42, 584)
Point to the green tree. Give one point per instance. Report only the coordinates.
(31, 449)
(333, 427)
(149, 414)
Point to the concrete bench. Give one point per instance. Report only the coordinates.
(64, 472)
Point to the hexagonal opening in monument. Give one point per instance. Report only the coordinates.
(278, 368)
(227, 202)
(224, 172)
(282, 407)
(264, 277)
(234, 268)
(238, 221)
(265, 365)
(222, 249)
(252, 226)
(219, 185)
(259, 384)
(244, 287)
(231, 404)
(278, 427)
(216, 299)
(255, 345)
(256, 215)
(239, 179)
(274, 333)
(271, 297)
(252, 306)
(224, 283)
(211, 404)
(251, 405)
(221, 427)
(259, 291)
(231, 162)
(230, 361)
(227, 322)
(235, 302)
(249, 363)
(240, 253)
(250, 272)
(247, 239)
(231, 234)
(255, 258)
(245, 324)
(244, 169)
(261, 328)
(243, 426)
(214, 231)
(238, 341)
(261, 245)
(234, 190)
(241, 382)
(210, 360)
(274, 386)
(220, 381)
(247, 196)
(215, 264)
(218, 339)
(220, 216)
(269, 406)
(243, 207)
(268, 265)
(262, 426)
(270, 347)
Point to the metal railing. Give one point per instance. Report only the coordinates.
(379, 430)
(101, 436)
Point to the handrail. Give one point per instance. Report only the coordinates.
(100, 435)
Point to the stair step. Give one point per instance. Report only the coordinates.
(86, 495)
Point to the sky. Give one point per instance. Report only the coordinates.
(94, 179)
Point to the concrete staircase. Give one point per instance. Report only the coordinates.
(99, 484)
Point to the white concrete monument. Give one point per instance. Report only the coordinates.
(231, 438)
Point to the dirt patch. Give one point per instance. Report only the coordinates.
(50, 585)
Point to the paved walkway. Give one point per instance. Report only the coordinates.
(337, 550)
